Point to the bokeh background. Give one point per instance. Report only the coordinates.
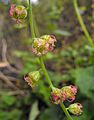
(72, 61)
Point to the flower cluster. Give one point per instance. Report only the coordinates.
(32, 78)
(70, 92)
(75, 108)
(43, 45)
(57, 96)
(18, 13)
(67, 93)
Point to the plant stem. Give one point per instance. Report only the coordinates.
(33, 36)
(46, 73)
(42, 62)
(31, 20)
(65, 111)
(82, 24)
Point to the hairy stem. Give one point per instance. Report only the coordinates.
(82, 24)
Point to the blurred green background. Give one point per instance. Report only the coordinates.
(72, 61)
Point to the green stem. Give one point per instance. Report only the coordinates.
(42, 63)
(82, 24)
(65, 111)
(31, 20)
(45, 72)
(33, 36)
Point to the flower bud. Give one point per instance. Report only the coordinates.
(43, 45)
(50, 39)
(70, 92)
(75, 108)
(57, 96)
(32, 78)
(18, 13)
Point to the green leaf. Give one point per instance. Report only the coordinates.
(84, 116)
(10, 115)
(62, 32)
(85, 80)
(34, 111)
(8, 100)
(52, 113)
(43, 92)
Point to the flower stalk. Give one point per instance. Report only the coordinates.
(42, 62)
(46, 73)
(65, 111)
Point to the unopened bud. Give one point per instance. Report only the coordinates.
(70, 92)
(43, 45)
(57, 96)
(50, 39)
(18, 13)
(75, 109)
(32, 78)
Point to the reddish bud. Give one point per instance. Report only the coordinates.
(70, 92)
(18, 13)
(57, 96)
(32, 78)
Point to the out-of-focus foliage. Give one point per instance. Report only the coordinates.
(72, 62)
